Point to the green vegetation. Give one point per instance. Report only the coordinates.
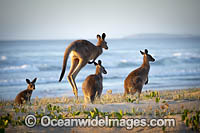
(129, 100)
(192, 119)
(17, 115)
(14, 115)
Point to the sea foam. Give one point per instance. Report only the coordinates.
(3, 57)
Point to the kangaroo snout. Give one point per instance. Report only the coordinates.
(106, 47)
(104, 72)
(151, 58)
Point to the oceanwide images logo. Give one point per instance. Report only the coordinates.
(129, 123)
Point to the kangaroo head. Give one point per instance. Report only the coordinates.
(31, 84)
(148, 56)
(101, 41)
(100, 68)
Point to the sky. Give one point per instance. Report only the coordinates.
(70, 19)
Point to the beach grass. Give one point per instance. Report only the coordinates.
(152, 104)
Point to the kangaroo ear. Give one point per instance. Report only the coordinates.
(95, 63)
(98, 36)
(146, 51)
(28, 81)
(34, 80)
(99, 62)
(141, 52)
(103, 36)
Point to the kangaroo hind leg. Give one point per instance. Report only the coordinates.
(74, 63)
(80, 65)
(139, 90)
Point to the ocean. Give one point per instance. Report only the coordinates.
(177, 65)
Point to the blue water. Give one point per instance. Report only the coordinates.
(177, 65)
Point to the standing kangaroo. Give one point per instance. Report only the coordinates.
(93, 84)
(137, 78)
(81, 52)
(25, 95)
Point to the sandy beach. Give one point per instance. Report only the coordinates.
(152, 104)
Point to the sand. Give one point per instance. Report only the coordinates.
(172, 104)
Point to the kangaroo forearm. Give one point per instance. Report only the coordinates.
(147, 81)
(90, 62)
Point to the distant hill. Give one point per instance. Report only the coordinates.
(160, 36)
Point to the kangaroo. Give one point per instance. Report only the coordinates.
(25, 95)
(136, 79)
(93, 84)
(81, 52)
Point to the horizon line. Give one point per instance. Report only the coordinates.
(137, 36)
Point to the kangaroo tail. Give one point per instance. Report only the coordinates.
(66, 55)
